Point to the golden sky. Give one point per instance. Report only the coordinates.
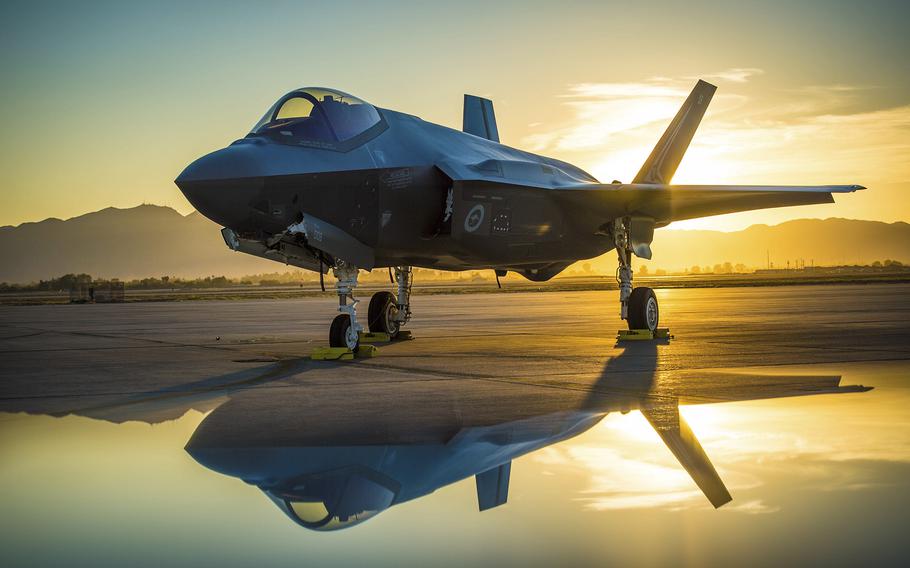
(104, 103)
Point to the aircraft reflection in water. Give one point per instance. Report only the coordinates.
(331, 464)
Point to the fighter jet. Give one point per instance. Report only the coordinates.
(327, 181)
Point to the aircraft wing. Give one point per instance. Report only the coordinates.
(667, 203)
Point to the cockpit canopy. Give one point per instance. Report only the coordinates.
(319, 117)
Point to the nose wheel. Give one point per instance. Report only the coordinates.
(342, 333)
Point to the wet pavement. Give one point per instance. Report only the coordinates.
(199, 433)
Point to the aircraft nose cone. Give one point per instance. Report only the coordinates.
(238, 160)
(223, 184)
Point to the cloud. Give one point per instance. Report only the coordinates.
(735, 75)
(623, 90)
(863, 147)
(613, 114)
(808, 135)
(755, 507)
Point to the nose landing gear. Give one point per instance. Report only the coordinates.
(345, 330)
(387, 313)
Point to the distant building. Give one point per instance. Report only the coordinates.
(97, 292)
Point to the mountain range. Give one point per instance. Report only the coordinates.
(151, 240)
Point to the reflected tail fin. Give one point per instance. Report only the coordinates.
(677, 435)
(493, 486)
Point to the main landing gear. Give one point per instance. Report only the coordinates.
(639, 305)
(387, 312)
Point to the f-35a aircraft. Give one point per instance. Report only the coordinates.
(327, 181)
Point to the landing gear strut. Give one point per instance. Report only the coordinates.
(638, 306)
(389, 312)
(345, 330)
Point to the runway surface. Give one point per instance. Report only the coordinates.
(60, 358)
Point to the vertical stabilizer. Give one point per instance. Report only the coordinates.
(666, 156)
(479, 118)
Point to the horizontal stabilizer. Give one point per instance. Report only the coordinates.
(493, 486)
(670, 149)
(677, 435)
(479, 118)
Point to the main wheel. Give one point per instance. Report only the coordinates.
(342, 333)
(383, 309)
(643, 311)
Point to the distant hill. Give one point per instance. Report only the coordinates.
(825, 242)
(147, 240)
(154, 241)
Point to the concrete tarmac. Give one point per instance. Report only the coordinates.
(153, 361)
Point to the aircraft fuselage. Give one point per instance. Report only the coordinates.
(390, 192)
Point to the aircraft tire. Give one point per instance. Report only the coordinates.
(643, 309)
(383, 308)
(340, 334)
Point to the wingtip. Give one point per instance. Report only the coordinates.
(721, 500)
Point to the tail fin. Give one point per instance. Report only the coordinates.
(479, 118)
(666, 156)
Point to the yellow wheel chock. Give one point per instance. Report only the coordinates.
(332, 354)
(643, 334)
(366, 351)
(343, 353)
(374, 337)
(379, 337)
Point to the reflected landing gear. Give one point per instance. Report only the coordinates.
(639, 305)
(389, 313)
